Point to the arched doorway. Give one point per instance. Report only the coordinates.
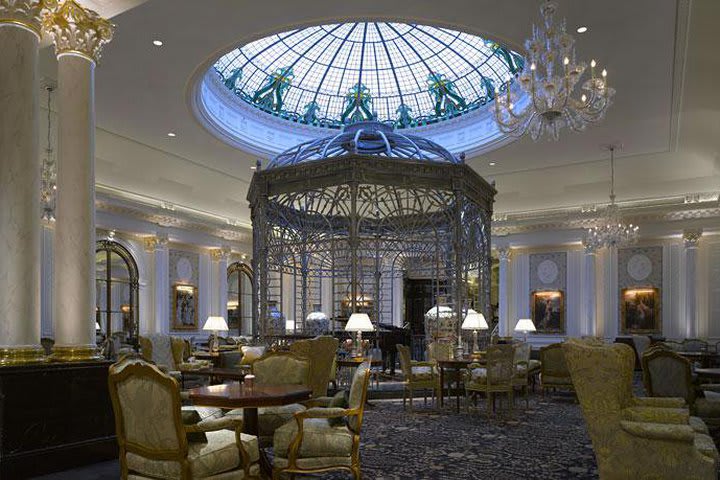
(239, 298)
(117, 291)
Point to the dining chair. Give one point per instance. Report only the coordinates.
(495, 377)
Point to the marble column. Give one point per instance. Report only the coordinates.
(503, 300)
(220, 258)
(158, 246)
(691, 239)
(589, 292)
(20, 27)
(79, 35)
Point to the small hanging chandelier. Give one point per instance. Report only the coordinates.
(611, 231)
(48, 190)
(548, 104)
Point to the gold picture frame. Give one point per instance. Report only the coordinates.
(547, 309)
(185, 307)
(640, 310)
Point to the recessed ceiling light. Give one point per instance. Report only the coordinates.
(582, 29)
(492, 164)
(158, 43)
(171, 134)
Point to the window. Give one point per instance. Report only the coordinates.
(239, 299)
(117, 288)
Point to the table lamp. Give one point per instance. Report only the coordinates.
(474, 321)
(525, 325)
(215, 324)
(359, 322)
(97, 327)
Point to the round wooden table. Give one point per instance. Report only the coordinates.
(236, 395)
(457, 366)
(709, 373)
(706, 359)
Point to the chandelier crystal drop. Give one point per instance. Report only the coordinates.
(552, 103)
(48, 192)
(611, 231)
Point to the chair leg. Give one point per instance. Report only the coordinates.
(357, 474)
(404, 397)
(510, 402)
(490, 400)
(411, 399)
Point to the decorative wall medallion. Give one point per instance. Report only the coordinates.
(184, 269)
(639, 267)
(547, 271)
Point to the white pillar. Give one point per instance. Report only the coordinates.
(503, 300)
(19, 183)
(47, 329)
(691, 238)
(589, 293)
(79, 35)
(158, 245)
(220, 258)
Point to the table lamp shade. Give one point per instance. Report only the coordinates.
(216, 324)
(439, 311)
(525, 325)
(316, 316)
(97, 326)
(474, 321)
(359, 322)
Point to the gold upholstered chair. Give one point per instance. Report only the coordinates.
(634, 438)
(496, 376)
(553, 369)
(321, 351)
(417, 376)
(172, 355)
(521, 363)
(667, 374)
(154, 440)
(322, 439)
(275, 368)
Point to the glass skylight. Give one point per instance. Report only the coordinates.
(405, 75)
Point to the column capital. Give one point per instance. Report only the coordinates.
(219, 254)
(78, 30)
(691, 238)
(153, 244)
(26, 14)
(590, 246)
(504, 253)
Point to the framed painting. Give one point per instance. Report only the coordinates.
(185, 307)
(640, 310)
(548, 311)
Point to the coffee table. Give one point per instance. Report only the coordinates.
(214, 374)
(236, 395)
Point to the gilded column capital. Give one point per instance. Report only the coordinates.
(155, 243)
(504, 253)
(691, 238)
(26, 14)
(219, 254)
(590, 246)
(78, 30)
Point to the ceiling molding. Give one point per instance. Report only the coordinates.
(682, 30)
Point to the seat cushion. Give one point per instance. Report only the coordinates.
(706, 446)
(534, 365)
(422, 372)
(314, 463)
(271, 418)
(706, 408)
(220, 454)
(478, 375)
(250, 354)
(551, 380)
(698, 425)
(320, 439)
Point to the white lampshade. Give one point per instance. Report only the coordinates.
(439, 311)
(525, 325)
(97, 326)
(316, 316)
(359, 322)
(289, 325)
(215, 324)
(474, 321)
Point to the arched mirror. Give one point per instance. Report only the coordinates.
(239, 299)
(117, 290)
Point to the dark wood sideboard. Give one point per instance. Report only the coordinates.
(53, 417)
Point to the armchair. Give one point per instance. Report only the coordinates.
(495, 377)
(315, 442)
(554, 373)
(521, 363)
(169, 353)
(670, 449)
(153, 440)
(418, 376)
(321, 352)
(276, 368)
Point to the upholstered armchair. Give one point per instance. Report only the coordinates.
(632, 443)
(154, 441)
(667, 374)
(321, 352)
(322, 439)
(444, 351)
(169, 353)
(521, 363)
(277, 368)
(496, 376)
(418, 376)
(553, 369)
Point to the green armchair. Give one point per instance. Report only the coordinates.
(554, 373)
(418, 376)
(321, 351)
(634, 438)
(322, 439)
(153, 439)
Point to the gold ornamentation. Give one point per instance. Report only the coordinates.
(75, 353)
(22, 355)
(77, 30)
(25, 13)
(691, 238)
(220, 253)
(155, 243)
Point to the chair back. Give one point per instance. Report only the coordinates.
(552, 361)
(281, 368)
(641, 342)
(163, 349)
(146, 403)
(405, 360)
(667, 374)
(321, 352)
(500, 365)
(522, 353)
(358, 395)
(439, 351)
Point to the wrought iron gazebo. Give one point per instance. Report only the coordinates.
(339, 219)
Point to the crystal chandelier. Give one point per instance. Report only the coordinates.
(49, 169)
(546, 102)
(611, 231)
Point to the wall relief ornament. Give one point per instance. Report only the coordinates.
(547, 271)
(639, 267)
(78, 30)
(26, 13)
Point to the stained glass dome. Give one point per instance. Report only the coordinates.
(401, 74)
